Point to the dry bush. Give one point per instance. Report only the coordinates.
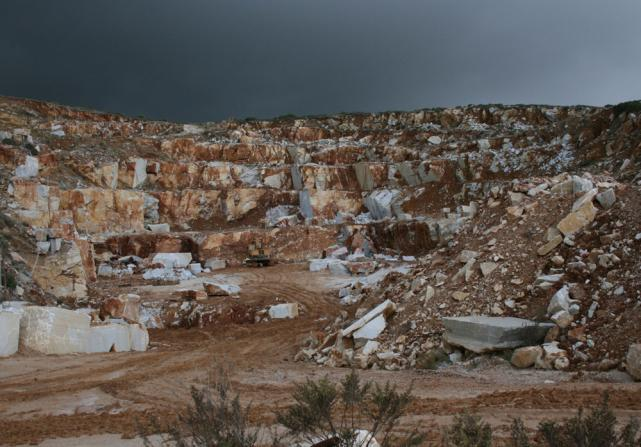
(332, 414)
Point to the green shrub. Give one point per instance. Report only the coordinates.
(10, 280)
(468, 430)
(326, 412)
(215, 418)
(518, 434)
(596, 429)
(627, 107)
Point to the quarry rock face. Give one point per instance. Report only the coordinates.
(432, 214)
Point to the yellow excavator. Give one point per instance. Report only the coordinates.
(258, 255)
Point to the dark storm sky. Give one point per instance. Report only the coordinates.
(198, 60)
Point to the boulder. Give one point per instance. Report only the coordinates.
(561, 301)
(577, 220)
(172, 260)
(280, 311)
(216, 289)
(9, 333)
(553, 357)
(482, 334)
(550, 245)
(488, 267)
(110, 337)
(51, 330)
(125, 306)
(606, 198)
(633, 361)
(526, 357)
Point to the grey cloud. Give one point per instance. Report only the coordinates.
(196, 60)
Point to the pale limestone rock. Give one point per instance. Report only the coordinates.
(172, 260)
(488, 267)
(526, 357)
(577, 220)
(606, 198)
(633, 361)
(429, 293)
(551, 353)
(280, 311)
(29, 168)
(460, 296)
(562, 318)
(140, 172)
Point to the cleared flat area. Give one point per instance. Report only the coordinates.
(93, 400)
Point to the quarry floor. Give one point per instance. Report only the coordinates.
(96, 400)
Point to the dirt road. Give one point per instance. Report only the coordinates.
(97, 398)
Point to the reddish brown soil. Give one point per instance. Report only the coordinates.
(44, 397)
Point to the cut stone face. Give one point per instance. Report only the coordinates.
(372, 329)
(485, 334)
(109, 337)
(51, 330)
(9, 333)
(139, 337)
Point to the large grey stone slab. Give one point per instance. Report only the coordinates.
(485, 334)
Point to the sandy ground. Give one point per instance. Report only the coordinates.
(94, 400)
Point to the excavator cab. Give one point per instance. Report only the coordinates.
(258, 255)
